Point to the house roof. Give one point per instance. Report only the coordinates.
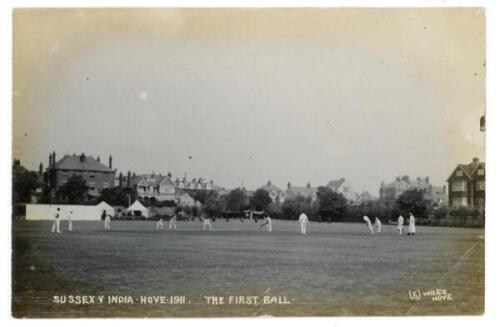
(468, 169)
(150, 179)
(82, 163)
(418, 182)
(270, 187)
(301, 190)
(335, 184)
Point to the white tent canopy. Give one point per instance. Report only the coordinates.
(105, 206)
(137, 206)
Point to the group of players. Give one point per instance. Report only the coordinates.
(399, 228)
(207, 224)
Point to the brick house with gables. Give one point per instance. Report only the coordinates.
(467, 186)
(96, 175)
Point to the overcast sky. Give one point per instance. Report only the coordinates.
(253, 95)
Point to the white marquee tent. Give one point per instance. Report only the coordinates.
(103, 206)
(138, 207)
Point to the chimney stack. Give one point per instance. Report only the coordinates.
(110, 161)
(120, 180)
(54, 158)
(98, 159)
(128, 179)
(308, 185)
(40, 169)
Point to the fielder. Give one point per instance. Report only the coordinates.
(70, 221)
(173, 220)
(207, 223)
(159, 224)
(303, 221)
(57, 222)
(107, 222)
(401, 222)
(411, 225)
(369, 223)
(268, 222)
(378, 224)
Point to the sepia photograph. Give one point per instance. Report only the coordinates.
(248, 162)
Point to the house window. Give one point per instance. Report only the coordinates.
(480, 186)
(459, 173)
(105, 185)
(91, 184)
(480, 172)
(458, 186)
(92, 176)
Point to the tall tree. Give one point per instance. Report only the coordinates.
(213, 205)
(24, 183)
(331, 205)
(260, 200)
(201, 195)
(413, 201)
(118, 196)
(74, 191)
(236, 200)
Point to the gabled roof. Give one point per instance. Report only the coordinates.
(81, 163)
(464, 169)
(335, 184)
(167, 180)
(270, 188)
(184, 195)
(469, 169)
(148, 180)
(301, 190)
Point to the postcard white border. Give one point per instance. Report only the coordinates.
(492, 157)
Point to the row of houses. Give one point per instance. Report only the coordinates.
(466, 184)
(99, 176)
(340, 186)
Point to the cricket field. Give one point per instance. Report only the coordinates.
(240, 269)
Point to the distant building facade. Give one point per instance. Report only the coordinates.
(96, 175)
(365, 197)
(194, 184)
(164, 188)
(466, 185)
(389, 193)
(306, 191)
(276, 194)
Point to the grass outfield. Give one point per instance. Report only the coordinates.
(337, 269)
